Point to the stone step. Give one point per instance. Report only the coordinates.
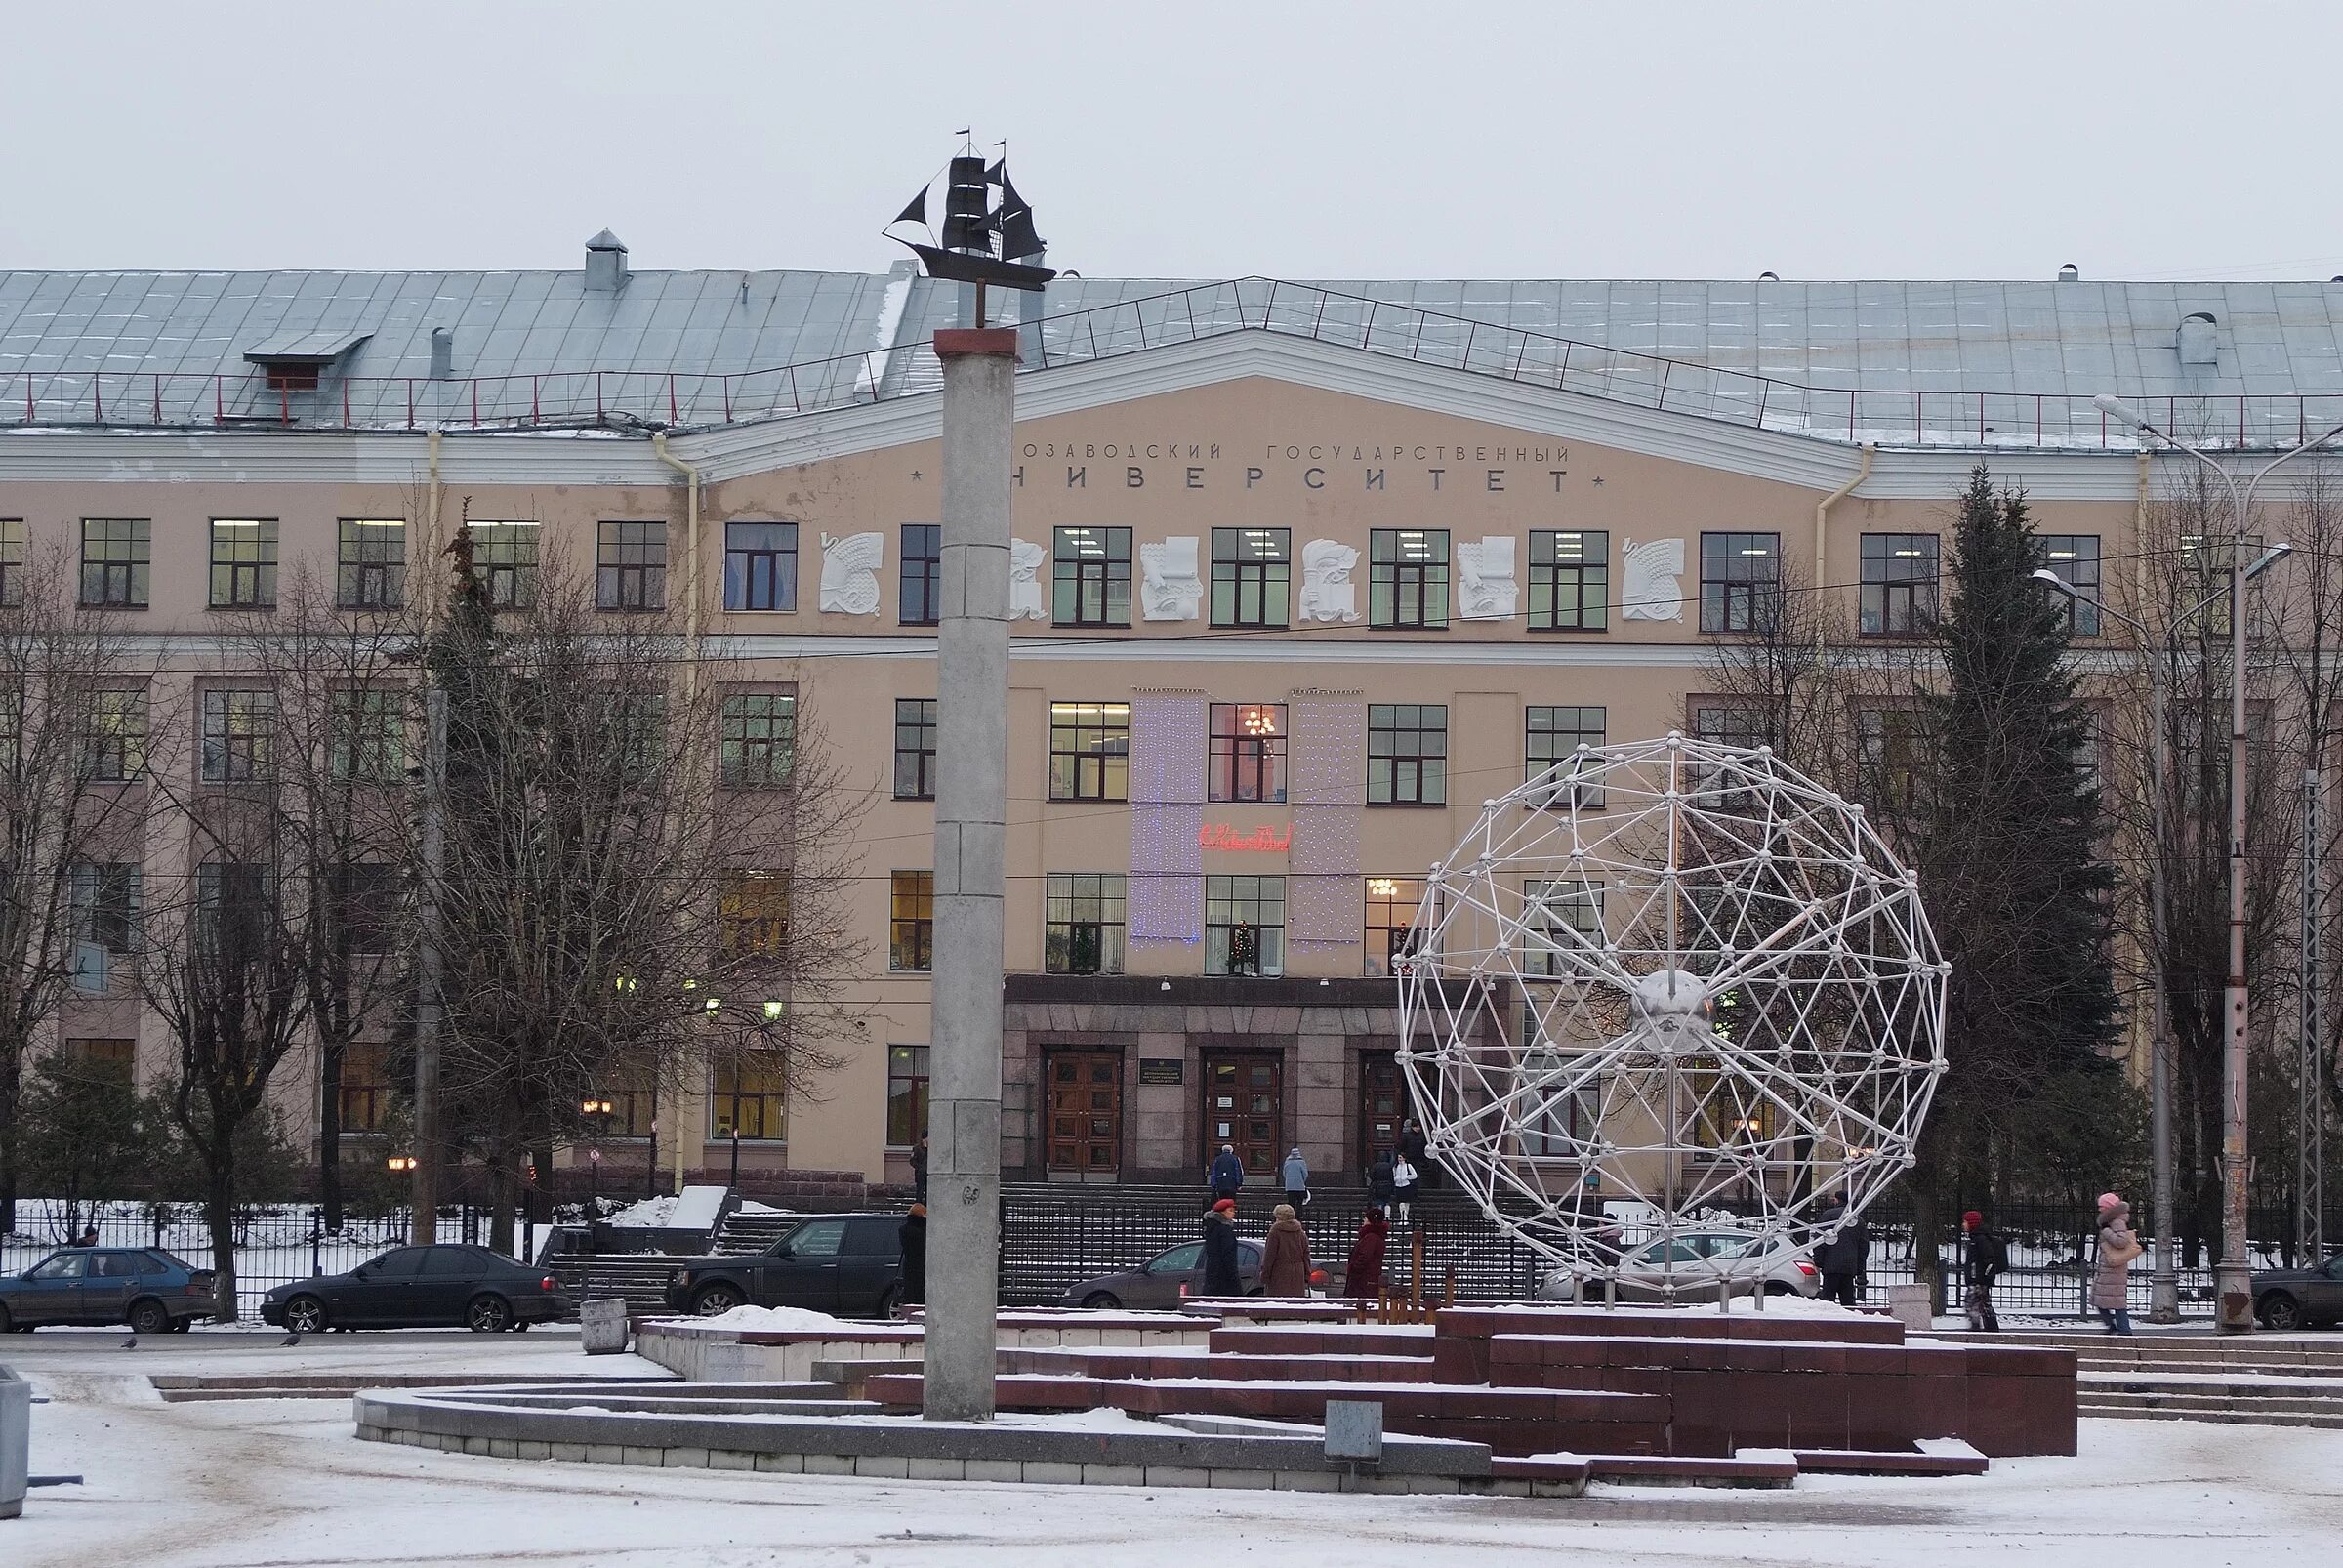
(1749, 1468)
(1853, 1462)
(2192, 1399)
(2233, 1418)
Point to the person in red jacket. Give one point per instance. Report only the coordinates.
(1366, 1275)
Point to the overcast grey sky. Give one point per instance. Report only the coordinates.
(1464, 138)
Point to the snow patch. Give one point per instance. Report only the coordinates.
(784, 1320)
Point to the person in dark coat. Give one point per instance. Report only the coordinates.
(918, 1169)
(1986, 1257)
(1411, 1149)
(1841, 1256)
(1286, 1255)
(1366, 1275)
(914, 1234)
(1378, 1181)
(1222, 1275)
(1227, 1174)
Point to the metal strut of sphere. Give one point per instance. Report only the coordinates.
(1671, 986)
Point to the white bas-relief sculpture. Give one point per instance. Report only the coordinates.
(1485, 587)
(850, 564)
(1025, 602)
(1327, 592)
(1169, 588)
(1648, 590)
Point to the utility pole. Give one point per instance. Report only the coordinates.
(428, 1005)
(2310, 1090)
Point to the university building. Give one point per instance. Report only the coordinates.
(1303, 574)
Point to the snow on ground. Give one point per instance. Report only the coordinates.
(285, 1482)
(783, 1320)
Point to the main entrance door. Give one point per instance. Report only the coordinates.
(1086, 1115)
(1244, 1107)
(1382, 1106)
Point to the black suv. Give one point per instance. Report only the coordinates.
(849, 1265)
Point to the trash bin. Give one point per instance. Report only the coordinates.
(16, 1442)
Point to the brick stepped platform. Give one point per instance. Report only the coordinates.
(2253, 1380)
(181, 1389)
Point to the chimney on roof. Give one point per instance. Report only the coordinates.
(2069, 273)
(605, 264)
(2199, 341)
(443, 352)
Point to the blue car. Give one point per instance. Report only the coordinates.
(144, 1287)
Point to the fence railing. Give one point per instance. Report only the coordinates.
(634, 400)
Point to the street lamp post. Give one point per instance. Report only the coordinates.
(2232, 1274)
(598, 1112)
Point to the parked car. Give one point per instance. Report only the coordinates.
(1164, 1280)
(849, 1265)
(2299, 1297)
(144, 1287)
(1696, 1263)
(443, 1286)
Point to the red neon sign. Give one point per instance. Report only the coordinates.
(1220, 836)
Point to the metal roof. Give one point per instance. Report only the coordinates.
(2047, 337)
(307, 348)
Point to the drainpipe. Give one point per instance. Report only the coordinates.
(1822, 530)
(430, 507)
(691, 676)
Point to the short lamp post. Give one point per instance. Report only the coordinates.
(397, 1164)
(597, 1112)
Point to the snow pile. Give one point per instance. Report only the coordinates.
(785, 1320)
(659, 1214)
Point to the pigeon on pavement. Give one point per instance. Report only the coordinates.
(289, 1339)
(131, 1343)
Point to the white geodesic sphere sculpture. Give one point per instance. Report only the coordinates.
(1679, 984)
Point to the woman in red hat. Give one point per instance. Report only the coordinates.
(1221, 1270)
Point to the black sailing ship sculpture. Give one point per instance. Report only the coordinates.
(987, 233)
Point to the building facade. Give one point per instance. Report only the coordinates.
(1303, 575)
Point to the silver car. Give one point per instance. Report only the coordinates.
(1692, 1266)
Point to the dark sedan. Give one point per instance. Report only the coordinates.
(422, 1288)
(849, 1265)
(1165, 1280)
(2299, 1297)
(144, 1287)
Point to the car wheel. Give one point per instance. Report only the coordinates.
(522, 1326)
(2281, 1311)
(1102, 1301)
(181, 1325)
(488, 1314)
(1775, 1287)
(7, 1325)
(305, 1315)
(150, 1317)
(715, 1300)
(890, 1300)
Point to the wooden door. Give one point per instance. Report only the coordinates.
(1244, 1107)
(1086, 1115)
(1382, 1106)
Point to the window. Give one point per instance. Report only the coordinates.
(1253, 576)
(366, 896)
(634, 1104)
(752, 914)
(369, 735)
(504, 558)
(1391, 905)
(1406, 754)
(906, 1096)
(760, 736)
(370, 570)
(279, 376)
(1249, 752)
(1406, 579)
(365, 1094)
(243, 563)
(1089, 751)
(1245, 926)
(1560, 1109)
(1553, 735)
(1732, 725)
(115, 556)
(12, 561)
(238, 722)
(1090, 577)
(114, 735)
(1570, 580)
(1891, 747)
(1899, 584)
(922, 576)
(1084, 934)
(110, 1061)
(630, 570)
(761, 565)
(1558, 915)
(638, 730)
(911, 921)
(1741, 580)
(2075, 556)
(915, 748)
(234, 907)
(105, 904)
(751, 1100)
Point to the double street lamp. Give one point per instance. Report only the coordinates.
(599, 1112)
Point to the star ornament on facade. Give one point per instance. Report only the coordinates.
(1672, 985)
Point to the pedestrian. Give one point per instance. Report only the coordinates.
(2110, 1282)
(1286, 1255)
(1365, 1278)
(1226, 1177)
(1378, 1181)
(918, 1169)
(1411, 1148)
(1221, 1269)
(1840, 1259)
(1404, 1179)
(1988, 1255)
(914, 1235)
(88, 1238)
(1297, 1175)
